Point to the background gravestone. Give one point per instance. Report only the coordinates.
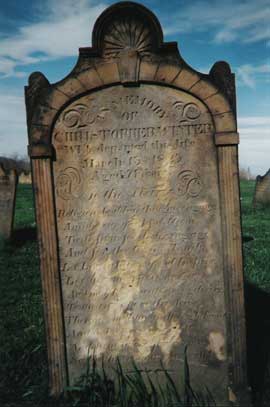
(262, 190)
(135, 174)
(8, 185)
(22, 167)
(25, 178)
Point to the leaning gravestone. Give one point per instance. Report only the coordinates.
(262, 190)
(8, 186)
(135, 175)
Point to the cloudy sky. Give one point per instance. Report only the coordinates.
(44, 35)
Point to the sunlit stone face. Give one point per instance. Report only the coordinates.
(138, 222)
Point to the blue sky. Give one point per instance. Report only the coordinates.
(44, 35)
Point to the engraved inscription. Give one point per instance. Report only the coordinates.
(138, 225)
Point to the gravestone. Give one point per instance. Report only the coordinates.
(262, 190)
(25, 178)
(135, 173)
(8, 163)
(8, 186)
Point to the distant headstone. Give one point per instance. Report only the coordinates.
(262, 190)
(135, 171)
(8, 163)
(8, 185)
(25, 178)
(21, 166)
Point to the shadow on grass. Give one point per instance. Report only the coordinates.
(20, 236)
(258, 340)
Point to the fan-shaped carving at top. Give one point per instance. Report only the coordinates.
(127, 34)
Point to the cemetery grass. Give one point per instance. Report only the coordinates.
(256, 234)
(23, 364)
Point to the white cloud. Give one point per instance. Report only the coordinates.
(13, 133)
(254, 121)
(225, 36)
(7, 67)
(65, 26)
(254, 143)
(249, 74)
(244, 21)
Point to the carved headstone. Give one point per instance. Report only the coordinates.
(8, 185)
(262, 190)
(135, 175)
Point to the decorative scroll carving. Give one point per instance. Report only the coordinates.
(187, 111)
(68, 183)
(81, 115)
(189, 184)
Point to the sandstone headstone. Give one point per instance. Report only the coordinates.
(8, 185)
(25, 178)
(135, 175)
(262, 190)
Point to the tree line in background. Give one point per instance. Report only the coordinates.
(16, 161)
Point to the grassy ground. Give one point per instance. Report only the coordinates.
(22, 341)
(256, 225)
(23, 368)
(256, 232)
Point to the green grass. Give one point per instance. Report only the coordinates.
(22, 342)
(23, 366)
(256, 224)
(135, 389)
(24, 210)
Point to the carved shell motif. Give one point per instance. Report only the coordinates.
(127, 34)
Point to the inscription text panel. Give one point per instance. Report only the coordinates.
(139, 230)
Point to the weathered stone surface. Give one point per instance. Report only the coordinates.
(137, 200)
(262, 190)
(139, 223)
(8, 185)
(25, 178)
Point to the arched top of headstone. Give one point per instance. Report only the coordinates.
(262, 177)
(128, 49)
(126, 27)
(7, 171)
(8, 164)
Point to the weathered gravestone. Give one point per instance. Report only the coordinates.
(8, 163)
(25, 178)
(262, 190)
(135, 174)
(8, 186)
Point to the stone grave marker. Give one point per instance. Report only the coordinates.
(25, 178)
(262, 190)
(135, 172)
(8, 186)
